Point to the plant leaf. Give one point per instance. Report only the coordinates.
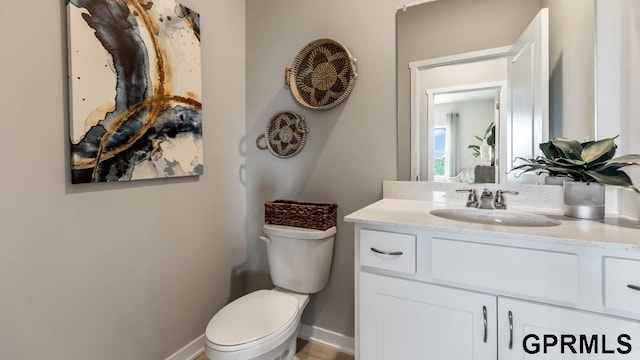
(595, 150)
(549, 150)
(491, 139)
(570, 148)
(627, 160)
(490, 134)
(568, 162)
(604, 158)
(617, 178)
(609, 169)
(476, 150)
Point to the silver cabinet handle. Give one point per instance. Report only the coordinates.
(484, 316)
(394, 253)
(633, 287)
(510, 330)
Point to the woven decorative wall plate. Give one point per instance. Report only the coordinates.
(285, 135)
(322, 74)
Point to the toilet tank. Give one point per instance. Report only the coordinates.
(299, 258)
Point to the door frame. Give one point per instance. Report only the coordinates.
(415, 67)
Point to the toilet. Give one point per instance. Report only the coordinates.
(263, 325)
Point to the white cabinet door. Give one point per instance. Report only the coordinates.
(525, 327)
(404, 319)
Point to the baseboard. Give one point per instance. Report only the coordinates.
(190, 351)
(341, 342)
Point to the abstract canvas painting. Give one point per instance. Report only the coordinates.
(135, 90)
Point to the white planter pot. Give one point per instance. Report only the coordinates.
(584, 200)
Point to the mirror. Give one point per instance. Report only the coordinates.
(464, 132)
(462, 99)
(449, 40)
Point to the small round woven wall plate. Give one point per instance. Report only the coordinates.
(285, 135)
(322, 74)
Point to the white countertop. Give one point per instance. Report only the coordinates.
(616, 232)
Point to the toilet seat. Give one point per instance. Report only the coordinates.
(254, 322)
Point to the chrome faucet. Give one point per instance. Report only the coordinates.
(486, 199)
(472, 200)
(498, 201)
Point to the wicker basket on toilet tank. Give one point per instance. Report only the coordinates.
(320, 216)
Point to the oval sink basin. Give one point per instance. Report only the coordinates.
(495, 217)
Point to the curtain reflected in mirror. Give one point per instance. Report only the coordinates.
(444, 138)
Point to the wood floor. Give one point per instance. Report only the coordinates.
(312, 351)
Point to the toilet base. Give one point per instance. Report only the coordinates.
(290, 353)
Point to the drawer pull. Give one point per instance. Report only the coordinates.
(510, 330)
(394, 253)
(634, 287)
(484, 316)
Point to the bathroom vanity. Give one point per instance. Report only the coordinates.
(427, 287)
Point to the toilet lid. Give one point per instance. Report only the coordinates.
(252, 317)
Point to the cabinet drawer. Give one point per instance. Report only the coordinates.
(388, 251)
(619, 274)
(534, 273)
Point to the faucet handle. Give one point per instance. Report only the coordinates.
(466, 190)
(498, 201)
(472, 200)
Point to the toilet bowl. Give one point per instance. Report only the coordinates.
(263, 325)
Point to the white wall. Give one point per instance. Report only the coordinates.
(130, 271)
(350, 149)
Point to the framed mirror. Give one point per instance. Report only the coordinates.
(444, 48)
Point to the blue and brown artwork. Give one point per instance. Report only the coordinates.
(135, 90)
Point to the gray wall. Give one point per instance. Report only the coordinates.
(350, 149)
(451, 27)
(112, 271)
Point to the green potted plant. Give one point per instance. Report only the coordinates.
(489, 138)
(587, 166)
